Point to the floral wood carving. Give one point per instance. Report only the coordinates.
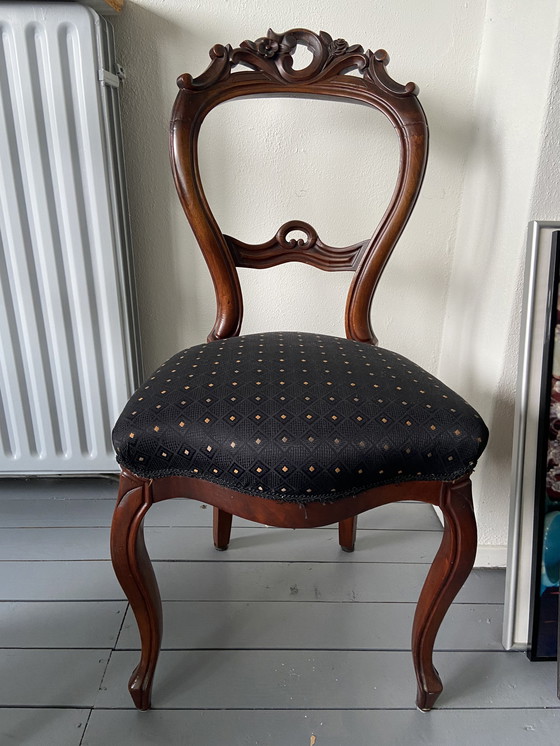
(281, 249)
(272, 55)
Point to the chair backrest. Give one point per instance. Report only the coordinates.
(271, 73)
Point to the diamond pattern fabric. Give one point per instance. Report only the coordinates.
(297, 417)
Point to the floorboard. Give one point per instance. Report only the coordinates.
(308, 626)
(47, 726)
(248, 544)
(337, 679)
(325, 727)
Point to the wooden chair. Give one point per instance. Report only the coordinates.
(295, 430)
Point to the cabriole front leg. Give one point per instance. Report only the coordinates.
(135, 574)
(450, 569)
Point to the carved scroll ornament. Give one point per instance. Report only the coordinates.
(272, 55)
(309, 250)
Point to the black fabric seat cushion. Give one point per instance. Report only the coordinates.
(297, 417)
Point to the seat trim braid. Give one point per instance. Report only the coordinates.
(300, 499)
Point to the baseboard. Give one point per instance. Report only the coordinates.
(491, 555)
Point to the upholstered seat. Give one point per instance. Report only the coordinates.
(297, 417)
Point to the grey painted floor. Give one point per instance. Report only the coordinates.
(284, 640)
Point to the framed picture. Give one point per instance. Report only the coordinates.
(531, 603)
(543, 619)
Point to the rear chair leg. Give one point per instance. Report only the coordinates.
(347, 533)
(135, 574)
(451, 567)
(221, 529)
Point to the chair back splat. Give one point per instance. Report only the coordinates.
(271, 73)
(295, 429)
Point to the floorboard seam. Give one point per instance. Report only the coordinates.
(85, 726)
(113, 649)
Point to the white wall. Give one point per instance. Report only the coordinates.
(507, 183)
(483, 71)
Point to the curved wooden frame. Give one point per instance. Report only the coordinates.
(271, 73)
(270, 59)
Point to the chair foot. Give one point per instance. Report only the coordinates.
(135, 574)
(450, 568)
(425, 700)
(140, 690)
(347, 533)
(221, 529)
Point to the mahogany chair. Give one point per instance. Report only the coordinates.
(287, 429)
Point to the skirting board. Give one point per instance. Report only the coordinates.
(491, 555)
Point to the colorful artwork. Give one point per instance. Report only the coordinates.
(547, 509)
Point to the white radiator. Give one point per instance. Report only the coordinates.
(68, 342)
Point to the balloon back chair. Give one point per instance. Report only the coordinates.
(287, 429)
